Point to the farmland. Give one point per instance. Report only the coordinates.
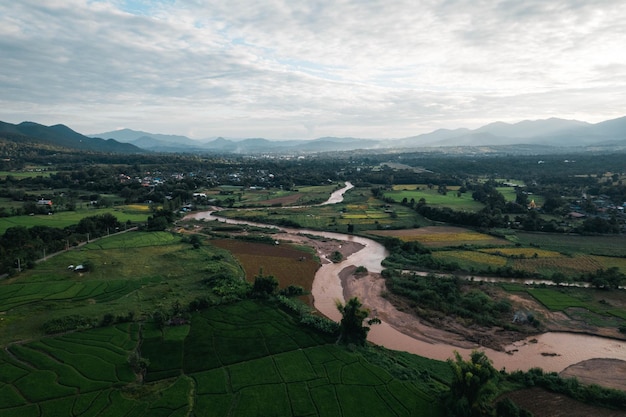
(239, 196)
(593, 307)
(539, 255)
(442, 236)
(133, 213)
(242, 359)
(452, 199)
(359, 210)
(289, 265)
(131, 272)
(71, 335)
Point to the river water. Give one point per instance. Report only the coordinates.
(552, 351)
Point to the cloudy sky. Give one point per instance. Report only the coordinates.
(309, 68)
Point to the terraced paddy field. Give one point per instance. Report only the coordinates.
(242, 359)
(134, 272)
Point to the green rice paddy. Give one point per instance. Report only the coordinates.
(243, 359)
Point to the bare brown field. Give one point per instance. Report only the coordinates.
(442, 236)
(289, 265)
(285, 201)
(543, 403)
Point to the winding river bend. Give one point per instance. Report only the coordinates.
(552, 351)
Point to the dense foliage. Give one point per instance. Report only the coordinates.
(434, 296)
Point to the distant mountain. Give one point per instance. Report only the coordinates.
(548, 132)
(172, 143)
(130, 136)
(63, 137)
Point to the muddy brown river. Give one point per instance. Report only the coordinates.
(552, 351)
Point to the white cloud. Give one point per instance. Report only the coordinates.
(284, 68)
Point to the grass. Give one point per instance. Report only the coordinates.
(132, 272)
(596, 307)
(68, 218)
(433, 198)
(32, 172)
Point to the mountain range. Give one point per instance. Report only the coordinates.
(546, 135)
(548, 132)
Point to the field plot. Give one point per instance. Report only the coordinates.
(129, 272)
(451, 199)
(442, 236)
(470, 260)
(242, 359)
(596, 307)
(253, 360)
(290, 266)
(68, 218)
(574, 266)
(614, 245)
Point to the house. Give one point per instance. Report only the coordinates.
(43, 202)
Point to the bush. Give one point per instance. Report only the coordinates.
(67, 323)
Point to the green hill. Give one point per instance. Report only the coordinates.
(62, 137)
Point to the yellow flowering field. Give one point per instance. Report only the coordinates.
(137, 207)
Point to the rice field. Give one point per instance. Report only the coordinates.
(130, 272)
(573, 266)
(241, 359)
(68, 218)
(523, 252)
(612, 246)
(433, 198)
(443, 236)
(471, 259)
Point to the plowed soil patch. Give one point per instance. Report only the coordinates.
(287, 264)
(543, 403)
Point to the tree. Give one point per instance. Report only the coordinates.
(138, 364)
(473, 385)
(352, 330)
(264, 285)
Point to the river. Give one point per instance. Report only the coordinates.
(552, 351)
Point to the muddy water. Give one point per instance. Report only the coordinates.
(553, 351)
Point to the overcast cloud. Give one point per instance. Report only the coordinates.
(305, 69)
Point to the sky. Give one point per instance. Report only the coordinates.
(302, 69)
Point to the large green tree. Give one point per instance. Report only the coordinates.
(352, 330)
(473, 386)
